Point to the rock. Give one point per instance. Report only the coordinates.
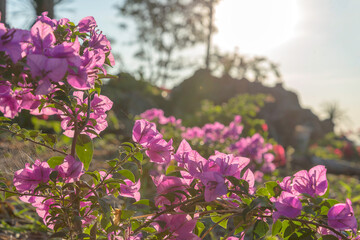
(283, 115)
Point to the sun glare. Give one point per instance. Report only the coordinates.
(255, 26)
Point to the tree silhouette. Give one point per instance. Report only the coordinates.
(334, 112)
(164, 29)
(257, 69)
(3, 11)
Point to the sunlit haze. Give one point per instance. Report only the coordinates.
(255, 26)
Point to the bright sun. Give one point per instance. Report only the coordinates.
(254, 26)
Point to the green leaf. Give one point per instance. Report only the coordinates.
(262, 192)
(8, 194)
(348, 189)
(273, 188)
(143, 201)
(59, 235)
(84, 150)
(112, 163)
(276, 228)
(53, 175)
(139, 156)
(4, 119)
(199, 228)
(294, 236)
(217, 219)
(49, 139)
(173, 168)
(55, 161)
(126, 214)
(93, 232)
(289, 229)
(149, 229)
(127, 174)
(104, 206)
(95, 175)
(329, 237)
(261, 228)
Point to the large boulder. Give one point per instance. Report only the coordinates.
(288, 122)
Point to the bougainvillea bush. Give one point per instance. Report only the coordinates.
(55, 69)
(335, 147)
(264, 153)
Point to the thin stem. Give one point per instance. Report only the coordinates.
(38, 143)
(214, 225)
(310, 222)
(25, 194)
(169, 209)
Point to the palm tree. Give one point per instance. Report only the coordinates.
(334, 112)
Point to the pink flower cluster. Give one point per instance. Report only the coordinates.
(158, 114)
(209, 172)
(52, 53)
(313, 183)
(99, 105)
(27, 179)
(215, 132)
(210, 177)
(253, 147)
(157, 149)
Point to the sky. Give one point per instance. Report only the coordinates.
(316, 43)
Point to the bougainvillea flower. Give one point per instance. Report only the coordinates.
(71, 169)
(101, 104)
(182, 152)
(250, 178)
(152, 113)
(28, 178)
(9, 105)
(287, 205)
(42, 209)
(341, 216)
(47, 69)
(159, 151)
(252, 147)
(228, 164)
(130, 189)
(287, 185)
(144, 132)
(87, 24)
(169, 184)
(195, 166)
(42, 36)
(312, 182)
(268, 165)
(280, 158)
(99, 41)
(14, 42)
(179, 225)
(98, 106)
(214, 185)
(29, 101)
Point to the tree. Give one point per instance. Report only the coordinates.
(3, 11)
(334, 113)
(240, 66)
(164, 28)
